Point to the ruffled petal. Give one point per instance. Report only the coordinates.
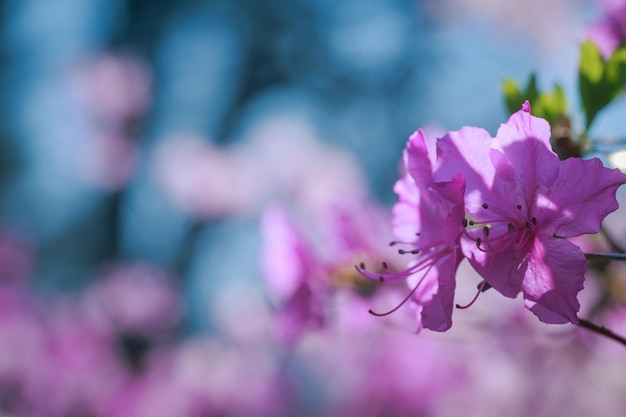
(286, 259)
(524, 141)
(503, 271)
(464, 152)
(406, 220)
(555, 275)
(452, 192)
(426, 212)
(434, 298)
(580, 198)
(418, 160)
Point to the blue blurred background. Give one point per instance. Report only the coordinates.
(88, 83)
(156, 132)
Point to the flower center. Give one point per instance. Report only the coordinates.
(500, 233)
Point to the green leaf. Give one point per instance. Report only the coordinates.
(550, 105)
(514, 98)
(600, 81)
(512, 95)
(616, 71)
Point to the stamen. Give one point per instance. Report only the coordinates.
(483, 286)
(528, 226)
(362, 265)
(511, 227)
(478, 242)
(407, 298)
(464, 222)
(385, 266)
(486, 232)
(471, 222)
(415, 251)
(381, 278)
(485, 206)
(519, 207)
(523, 239)
(481, 289)
(534, 220)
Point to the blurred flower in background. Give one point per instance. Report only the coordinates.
(186, 187)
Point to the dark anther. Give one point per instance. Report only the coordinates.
(511, 227)
(534, 220)
(478, 242)
(362, 265)
(385, 266)
(519, 207)
(418, 234)
(464, 222)
(401, 251)
(392, 243)
(483, 286)
(486, 231)
(471, 222)
(415, 251)
(381, 278)
(485, 206)
(528, 225)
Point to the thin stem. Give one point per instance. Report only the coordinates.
(606, 256)
(601, 330)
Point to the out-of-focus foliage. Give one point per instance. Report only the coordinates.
(549, 105)
(600, 80)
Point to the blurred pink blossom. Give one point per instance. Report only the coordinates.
(136, 298)
(115, 88)
(112, 92)
(17, 257)
(610, 31)
(309, 264)
(282, 158)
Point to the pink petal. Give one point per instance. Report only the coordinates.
(435, 295)
(452, 192)
(406, 219)
(521, 126)
(434, 210)
(555, 275)
(463, 152)
(525, 143)
(503, 271)
(418, 160)
(580, 198)
(285, 257)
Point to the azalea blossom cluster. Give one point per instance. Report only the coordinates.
(116, 349)
(506, 204)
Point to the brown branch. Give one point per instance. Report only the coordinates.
(601, 330)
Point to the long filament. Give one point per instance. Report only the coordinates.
(480, 290)
(408, 297)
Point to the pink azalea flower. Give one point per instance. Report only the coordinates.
(428, 218)
(523, 202)
(294, 277)
(309, 269)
